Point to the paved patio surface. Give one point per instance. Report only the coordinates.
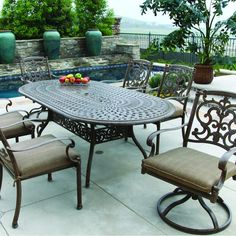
(120, 200)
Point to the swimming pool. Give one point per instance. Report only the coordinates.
(9, 84)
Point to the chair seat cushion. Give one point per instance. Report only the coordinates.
(178, 109)
(42, 159)
(19, 129)
(187, 167)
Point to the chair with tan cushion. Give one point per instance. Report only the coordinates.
(10, 117)
(175, 86)
(198, 175)
(35, 157)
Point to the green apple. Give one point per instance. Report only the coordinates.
(78, 75)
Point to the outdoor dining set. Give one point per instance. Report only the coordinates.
(99, 112)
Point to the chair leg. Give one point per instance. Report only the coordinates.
(18, 204)
(79, 187)
(183, 130)
(158, 124)
(49, 177)
(216, 227)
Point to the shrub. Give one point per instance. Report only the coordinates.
(155, 80)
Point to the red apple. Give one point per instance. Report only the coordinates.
(62, 79)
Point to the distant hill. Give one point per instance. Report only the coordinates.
(129, 25)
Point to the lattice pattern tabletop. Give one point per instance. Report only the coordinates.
(98, 103)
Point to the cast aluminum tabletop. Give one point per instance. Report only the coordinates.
(81, 108)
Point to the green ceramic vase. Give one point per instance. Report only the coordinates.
(51, 43)
(7, 46)
(93, 42)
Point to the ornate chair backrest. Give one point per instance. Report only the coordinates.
(213, 119)
(35, 69)
(137, 74)
(176, 81)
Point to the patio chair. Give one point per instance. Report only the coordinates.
(10, 117)
(175, 86)
(35, 69)
(35, 157)
(196, 174)
(137, 74)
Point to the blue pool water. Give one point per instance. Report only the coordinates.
(9, 84)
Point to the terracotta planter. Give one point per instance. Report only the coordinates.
(203, 74)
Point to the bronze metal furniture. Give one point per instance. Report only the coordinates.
(11, 117)
(175, 86)
(196, 174)
(97, 112)
(34, 69)
(137, 74)
(35, 157)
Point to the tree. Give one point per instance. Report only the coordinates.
(23, 17)
(94, 14)
(196, 19)
(58, 14)
(30, 18)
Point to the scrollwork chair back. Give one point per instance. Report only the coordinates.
(35, 69)
(137, 74)
(214, 118)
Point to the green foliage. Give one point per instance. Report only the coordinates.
(30, 18)
(94, 14)
(196, 18)
(59, 15)
(155, 80)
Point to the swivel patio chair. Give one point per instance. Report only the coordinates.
(9, 117)
(35, 157)
(137, 74)
(35, 69)
(196, 174)
(175, 86)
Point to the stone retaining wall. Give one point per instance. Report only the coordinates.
(73, 53)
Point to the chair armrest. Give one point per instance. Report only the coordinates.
(8, 104)
(70, 145)
(158, 132)
(176, 98)
(222, 165)
(21, 121)
(24, 111)
(225, 158)
(39, 145)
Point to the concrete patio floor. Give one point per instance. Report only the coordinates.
(120, 200)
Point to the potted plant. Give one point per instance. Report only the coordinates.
(94, 17)
(198, 32)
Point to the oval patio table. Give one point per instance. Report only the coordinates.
(97, 112)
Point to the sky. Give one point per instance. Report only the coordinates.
(130, 8)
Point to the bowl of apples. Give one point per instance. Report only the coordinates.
(76, 79)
